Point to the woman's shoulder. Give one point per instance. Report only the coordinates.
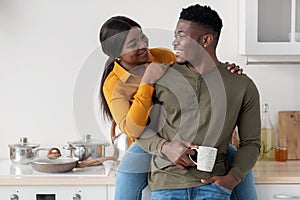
(162, 55)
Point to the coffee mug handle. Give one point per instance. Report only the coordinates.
(191, 157)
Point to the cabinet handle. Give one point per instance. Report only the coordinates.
(14, 197)
(284, 196)
(272, 62)
(76, 197)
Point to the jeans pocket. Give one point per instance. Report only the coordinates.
(222, 188)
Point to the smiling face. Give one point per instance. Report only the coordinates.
(188, 42)
(135, 48)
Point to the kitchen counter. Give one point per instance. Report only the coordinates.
(272, 172)
(11, 174)
(265, 172)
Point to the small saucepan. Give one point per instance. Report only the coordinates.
(23, 152)
(87, 148)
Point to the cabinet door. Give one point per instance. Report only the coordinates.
(110, 192)
(269, 27)
(62, 192)
(278, 191)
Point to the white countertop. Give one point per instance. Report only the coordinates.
(272, 172)
(11, 174)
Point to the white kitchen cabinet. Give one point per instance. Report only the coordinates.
(24, 183)
(269, 27)
(36, 192)
(110, 192)
(278, 191)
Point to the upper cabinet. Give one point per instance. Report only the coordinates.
(269, 27)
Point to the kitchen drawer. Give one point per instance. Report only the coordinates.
(278, 191)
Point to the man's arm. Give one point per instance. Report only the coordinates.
(249, 125)
(175, 151)
(249, 132)
(152, 142)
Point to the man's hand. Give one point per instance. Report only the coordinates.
(177, 152)
(228, 181)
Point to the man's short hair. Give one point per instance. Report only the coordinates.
(203, 15)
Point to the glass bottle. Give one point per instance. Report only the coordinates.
(267, 136)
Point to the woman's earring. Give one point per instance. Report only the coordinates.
(205, 45)
(118, 59)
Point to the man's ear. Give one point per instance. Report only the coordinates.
(207, 39)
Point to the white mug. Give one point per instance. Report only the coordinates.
(206, 157)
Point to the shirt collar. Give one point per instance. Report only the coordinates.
(122, 73)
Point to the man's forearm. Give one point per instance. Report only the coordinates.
(151, 142)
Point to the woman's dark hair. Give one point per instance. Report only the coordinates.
(205, 16)
(112, 36)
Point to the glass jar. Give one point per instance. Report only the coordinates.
(281, 154)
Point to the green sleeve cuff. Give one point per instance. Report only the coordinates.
(152, 144)
(237, 173)
(159, 148)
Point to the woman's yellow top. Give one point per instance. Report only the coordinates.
(129, 100)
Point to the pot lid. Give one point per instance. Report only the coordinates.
(59, 161)
(87, 141)
(24, 144)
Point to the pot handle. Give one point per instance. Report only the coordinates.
(81, 164)
(53, 153)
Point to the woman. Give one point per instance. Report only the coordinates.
(126, 97)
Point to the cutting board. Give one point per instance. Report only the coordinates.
(289, 132)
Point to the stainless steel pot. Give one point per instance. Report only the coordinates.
(87, 148)
(23, 152)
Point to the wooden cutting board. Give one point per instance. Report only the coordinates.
(289, 132)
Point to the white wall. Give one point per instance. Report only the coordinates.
(48, 47)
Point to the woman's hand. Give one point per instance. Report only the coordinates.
(154, 72)
(234, 68)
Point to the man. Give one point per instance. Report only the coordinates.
(201, 104)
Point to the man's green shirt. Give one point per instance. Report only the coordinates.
(203, 109)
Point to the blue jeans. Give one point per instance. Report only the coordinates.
(131, 176)
(204, 192)
(245, 190)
